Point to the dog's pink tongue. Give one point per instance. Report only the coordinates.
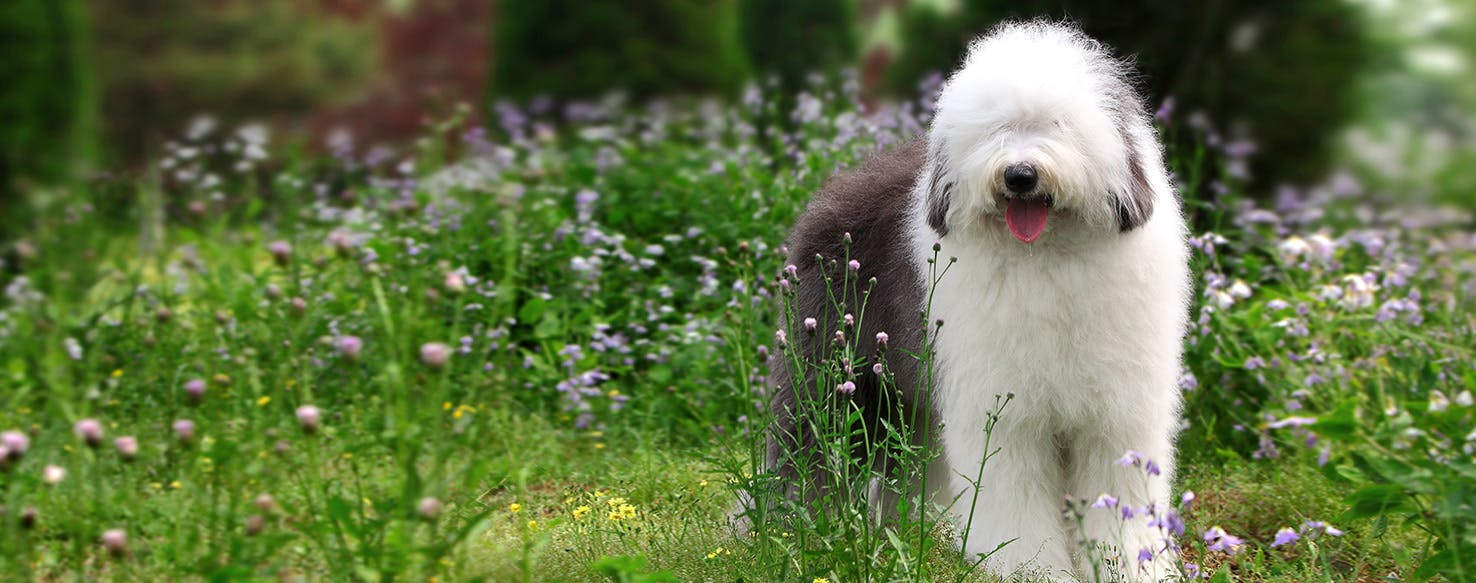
(1026, 218)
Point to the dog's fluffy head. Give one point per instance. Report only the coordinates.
(1040, 124)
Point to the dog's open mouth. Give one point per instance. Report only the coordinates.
(1026, 216)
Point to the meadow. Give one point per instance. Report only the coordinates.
(535, 351)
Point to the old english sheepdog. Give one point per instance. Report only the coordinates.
(1043, 178)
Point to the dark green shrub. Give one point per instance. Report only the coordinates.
(162, 62)
(1285, 72)
(584, 48)
(42, 91)
(792, 39)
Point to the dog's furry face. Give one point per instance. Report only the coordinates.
(1084, 138)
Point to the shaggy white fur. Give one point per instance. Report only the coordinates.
(1083, 324)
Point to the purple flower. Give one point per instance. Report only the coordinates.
(350, 347)
(185, 429)
(780, 338)
(1105, 501)
(90, 431)
(810, 325)
(115, 541)
(429, 508)
(1219, 540)
(308, 416)
(1130, 458)
(127, 447)
(1145, 554)
(877, 368)
(854, 265)
(13, 444)
(846, 388)
(281, 252)
(195, 390)
(1285, 536)
(1151, 467)
(881, 339)
(434, 354)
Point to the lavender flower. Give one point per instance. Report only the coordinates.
(846, 388)
(1219, 540)
(429, 508)
(1285, 536)
(811, 325)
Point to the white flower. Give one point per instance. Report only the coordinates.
(1239, 290)
(1438, 402)
(1293, 247)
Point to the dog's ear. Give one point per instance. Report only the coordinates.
(940, 196)
(1135, 206)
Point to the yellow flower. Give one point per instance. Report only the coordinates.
(514, 507)
(263, 401)
(616, 501)
(532, 524)
(580, 512)
(446, 406)
(117, 372)
(599, 446)
(820, 580)
(702, 484)
(175, 484)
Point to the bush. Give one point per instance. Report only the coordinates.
(571, 48)
(1285, 75)
(792, 39)
(162, 62)
(41, 90)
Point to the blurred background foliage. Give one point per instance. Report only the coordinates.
(161, 62)
(101, 84)
(1284, 74)
(586, 48)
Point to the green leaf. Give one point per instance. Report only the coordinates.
(533, 310)
(1342, 423)
(1376, 500)
(1458, 562)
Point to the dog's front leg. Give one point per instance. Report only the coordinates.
(1014, 514)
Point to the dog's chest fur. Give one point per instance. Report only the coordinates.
(1063, 328)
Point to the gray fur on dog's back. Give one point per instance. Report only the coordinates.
(872, 204)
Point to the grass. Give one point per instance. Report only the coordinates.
(422, 364)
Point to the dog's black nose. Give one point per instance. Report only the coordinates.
(1020, 178)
